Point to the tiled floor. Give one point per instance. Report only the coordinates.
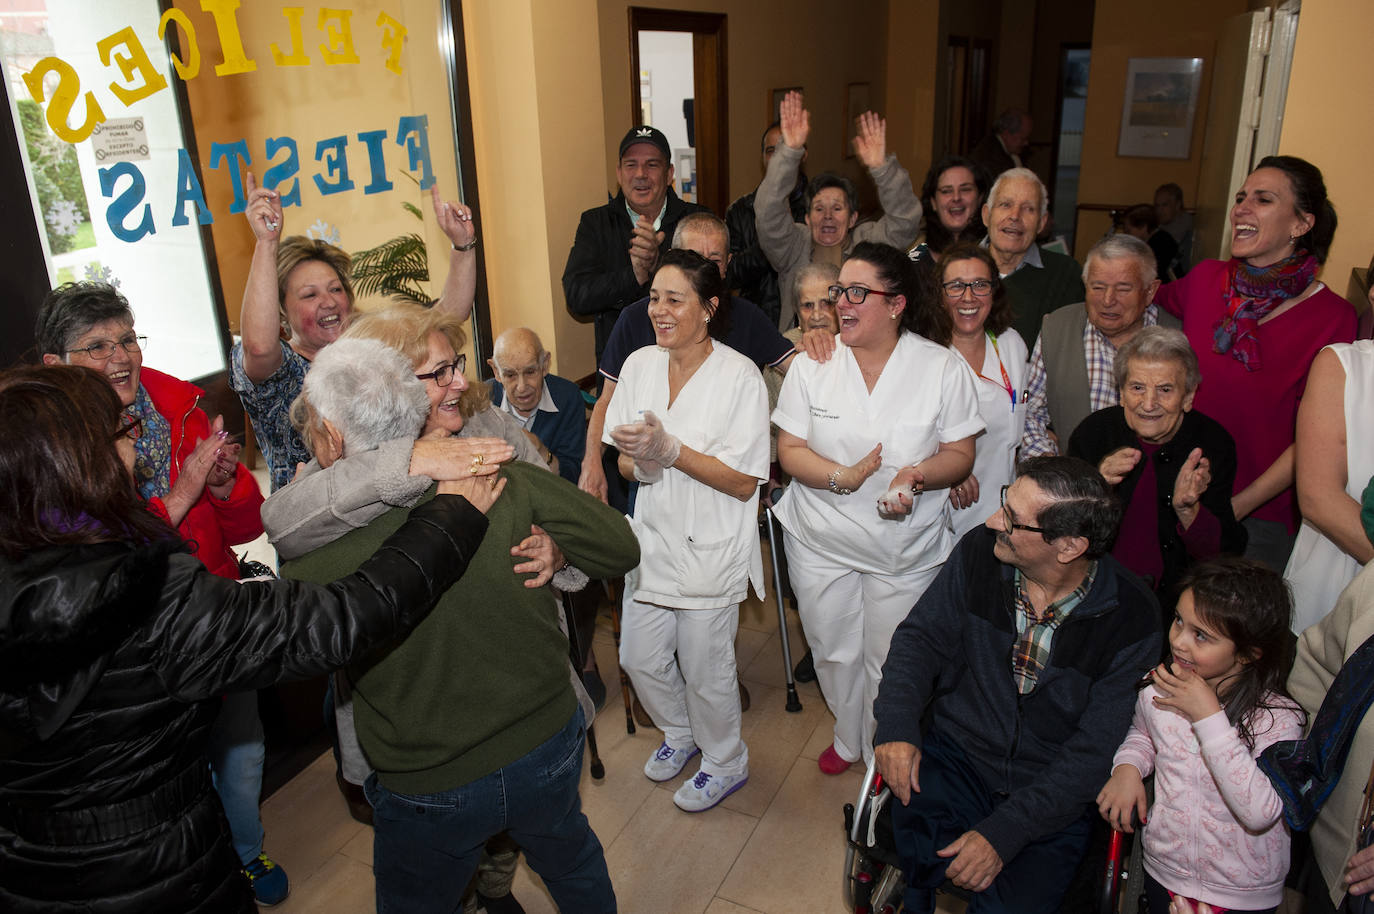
(777, 845)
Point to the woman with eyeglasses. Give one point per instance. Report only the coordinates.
(187, 471)
(298, 299)
(116, 646)
(973, 296)
(893, 414)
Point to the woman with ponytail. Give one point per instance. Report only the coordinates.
(1256, 322)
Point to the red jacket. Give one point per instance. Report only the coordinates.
(212, 527)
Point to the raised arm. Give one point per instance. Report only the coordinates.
(260, 318)
(460, 287)
(784, 245)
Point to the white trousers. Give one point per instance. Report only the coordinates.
(849, 617)
(693, 697)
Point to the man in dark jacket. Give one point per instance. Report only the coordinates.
(750, 272)
(618, 243)
(1023, 656)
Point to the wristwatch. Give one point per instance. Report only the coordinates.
(466, 247)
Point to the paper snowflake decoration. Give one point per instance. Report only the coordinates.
(64, 218)
(98, 272)
(323, 231)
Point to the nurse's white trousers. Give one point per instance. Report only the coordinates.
(693, 697)
(849, 617)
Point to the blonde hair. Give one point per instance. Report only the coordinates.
(405, 327)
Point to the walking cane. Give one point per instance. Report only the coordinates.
(578, 660)
(793, 702)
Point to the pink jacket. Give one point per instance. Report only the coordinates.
(1216, 830)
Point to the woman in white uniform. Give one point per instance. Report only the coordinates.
(891, 415)
(971, 292)
(690, 417)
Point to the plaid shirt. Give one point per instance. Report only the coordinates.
(1032, 649)
(1099, 354)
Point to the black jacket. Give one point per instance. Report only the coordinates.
(112, 663)
(1106, 430)
(598, 280)
(1044, 755)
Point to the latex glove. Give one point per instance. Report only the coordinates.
(647, 440)
(648, 472)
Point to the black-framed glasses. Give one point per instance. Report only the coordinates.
(132, 429)
(104, 349)
(856, 294)
(444, 373)
(955, 287)
(1012, 524)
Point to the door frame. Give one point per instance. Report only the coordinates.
(709, 76)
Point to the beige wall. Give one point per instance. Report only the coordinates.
(539, 158)
(1164, 28)
(1327, 121)
(913, 83)
(820, 45)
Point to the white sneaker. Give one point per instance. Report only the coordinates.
(706, 790)
(667, 762)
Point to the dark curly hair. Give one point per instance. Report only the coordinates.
(938, 238)
(901, 276)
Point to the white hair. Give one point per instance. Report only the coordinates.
(1118, 246)
(367, 390)
(1024, 174)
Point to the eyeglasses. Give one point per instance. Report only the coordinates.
(955, 287)
(444, 373)
(856, 294)
(1012, 524)
(102, 350)
(133, 429)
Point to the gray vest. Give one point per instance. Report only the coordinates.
(1066, 367)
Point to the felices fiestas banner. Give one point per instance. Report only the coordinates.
(128, 216)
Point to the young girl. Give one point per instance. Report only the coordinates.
(1216, 833)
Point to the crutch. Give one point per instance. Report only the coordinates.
(793, 702)
(575, 654)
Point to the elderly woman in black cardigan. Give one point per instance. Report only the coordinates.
(1172, 468)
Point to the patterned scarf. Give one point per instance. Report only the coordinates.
(1251, 293)
(153, 451)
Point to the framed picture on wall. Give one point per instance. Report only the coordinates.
(856, 102)
(775, 97)
(1158, 109)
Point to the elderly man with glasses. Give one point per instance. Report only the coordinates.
(1023, 657)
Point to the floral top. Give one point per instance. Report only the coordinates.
(268, 405)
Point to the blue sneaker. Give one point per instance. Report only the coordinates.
(706, 790)
(268, 879)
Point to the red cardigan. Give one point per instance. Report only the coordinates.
(212, 527)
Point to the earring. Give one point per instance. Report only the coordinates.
(893, 316)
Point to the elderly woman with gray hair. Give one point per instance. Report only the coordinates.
(482, 700)
(1172, 468)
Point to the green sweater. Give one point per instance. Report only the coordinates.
(1035, 292)
(484, 679)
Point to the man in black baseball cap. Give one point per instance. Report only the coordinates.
(618, 243)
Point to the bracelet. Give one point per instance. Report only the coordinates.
(833, 484)
(467, 247)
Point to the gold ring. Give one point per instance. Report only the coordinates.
(479, 460)
(476, 465)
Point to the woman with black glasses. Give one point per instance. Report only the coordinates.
(892, 414)
(969, 291)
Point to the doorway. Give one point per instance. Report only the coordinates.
(677, 84)
(1074, 61)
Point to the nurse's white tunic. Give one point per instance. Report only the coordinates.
(924, 397)
(699, 548)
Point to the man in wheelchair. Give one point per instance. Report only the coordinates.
(1007, 689)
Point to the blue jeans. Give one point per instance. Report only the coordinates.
(236, 754)
(426, 848)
